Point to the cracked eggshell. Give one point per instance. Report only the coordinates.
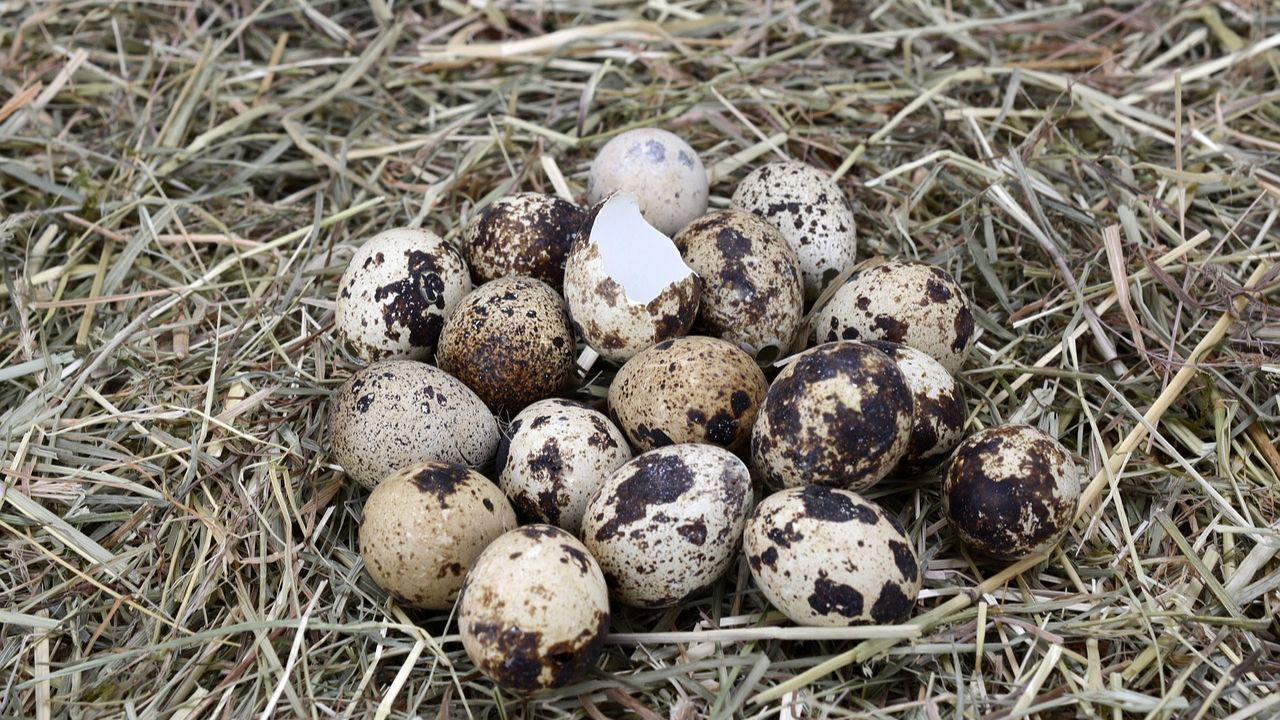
(839, 415)
(828, 557)
(559, 455)
(660, 169)
(912, 303)
(398, 413)
(625, 283)
(1010, 492)
(510, 342)
(535, 610)
(397, 291)
(688, 390)
(937, 405)
(667, 524)
(752, 290)
(423, 526)
(811, 212)
(525, 234)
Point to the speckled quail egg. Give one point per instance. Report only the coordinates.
(510, 342)
(397, 291)
(535, 610)
(1010, 492)
(688, 390)
(625, 283)
(525, 234)
(839, 415)
(937, 406)
(660, 169)
(559, 455)
(913, 303)
(827, 557)
(752, 291)
(667, 524)
(423, 526)
(810, 211)
(398, 413)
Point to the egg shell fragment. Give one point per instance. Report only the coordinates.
(752, 289)
(396, 293)
(525, 234)
(667, 524)
(625, 284)
(422, 528)
(535, 610)
(839, 414)
(907, 302)
(398, 413)
(937, 405)
(688, 390)
(828, 557)
(559, 455)
(811, 212)
(660, 169)
(510, 342)
(1010, 492)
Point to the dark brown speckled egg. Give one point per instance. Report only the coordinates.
(526, 234)
(937, 406)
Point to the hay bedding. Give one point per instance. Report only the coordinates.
(181, 183)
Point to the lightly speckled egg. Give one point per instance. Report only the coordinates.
(937, 406)
(1010, 492)
(397, 291)
(398, 413)
(904, 301)
(811, 212)
(625, 283)
(667, 524)
(660, 169)
(839, 414)
(510, 342)
(423, 527)
(828, 557)
(688, 390)
(752, 290)
(534, 610)
(559, 455)
(524, 234)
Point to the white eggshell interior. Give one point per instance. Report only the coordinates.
(638, 257)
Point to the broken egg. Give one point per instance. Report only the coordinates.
(660, 169)
(625, 283)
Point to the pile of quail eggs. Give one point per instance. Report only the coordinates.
(494, 490)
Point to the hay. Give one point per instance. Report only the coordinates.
(181, 184)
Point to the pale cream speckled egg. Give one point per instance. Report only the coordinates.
(398, 413)
(559, 455)
(937, 406)
(667, 524)
(660, 169)
(828, 557)
(422, 528)
(397, 291)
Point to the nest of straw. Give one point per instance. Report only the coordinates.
(181, 184)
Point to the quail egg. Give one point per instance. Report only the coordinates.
(660, 169)
(937, 406)
(1010, 492)
(559, 454)
(534, 610)
(667, 524)
(510, 342)
(913, 303)
(398, 413)
(423, 526)
(526, 234)
(827, 557)
(397, 291)
(839, 414)
(688, 390)
(752, 291)
(810, 211)
(625, 283)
